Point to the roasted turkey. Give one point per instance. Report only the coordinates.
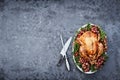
(91, 48)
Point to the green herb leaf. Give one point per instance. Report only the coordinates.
(102, 34)
(77, 32)
(82, 28)
(105, 56)
(92, 67)
(79, 64)
(88, 27)
(77, 61)
(76, 47)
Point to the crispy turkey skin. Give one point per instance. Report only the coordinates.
(90, 47)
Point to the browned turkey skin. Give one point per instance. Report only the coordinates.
(91, 48)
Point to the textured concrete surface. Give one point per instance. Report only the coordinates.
(30, 43)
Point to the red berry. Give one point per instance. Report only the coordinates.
(95, 29)
(76, 54)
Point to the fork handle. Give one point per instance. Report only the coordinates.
(67, 64)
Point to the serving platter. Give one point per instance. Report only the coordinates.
(78, 66)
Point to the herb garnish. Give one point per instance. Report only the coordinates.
(102, 34)
(76, 47)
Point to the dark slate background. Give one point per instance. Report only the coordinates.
(30, 43)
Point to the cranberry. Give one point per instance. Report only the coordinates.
(86, 67)
(81, 60)
(99, 62)
(78, 35)
(95, 29)
(76, 54)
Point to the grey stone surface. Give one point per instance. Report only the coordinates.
(30, 43)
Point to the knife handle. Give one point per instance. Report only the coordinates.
(60, 61)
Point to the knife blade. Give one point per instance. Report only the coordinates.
(65, 47)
